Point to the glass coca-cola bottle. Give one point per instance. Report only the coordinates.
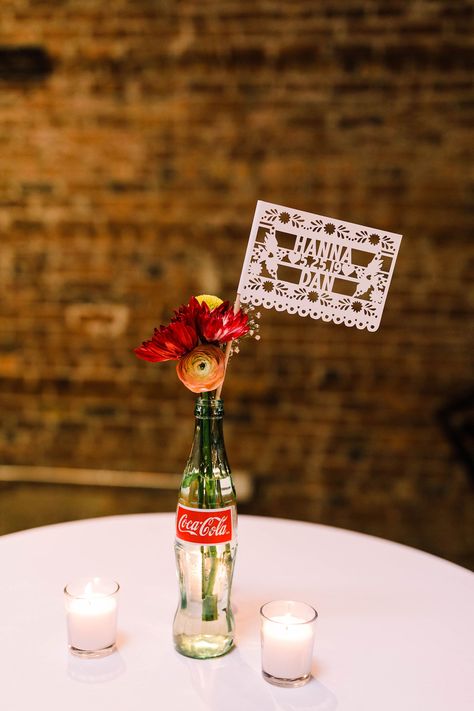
(206, 540)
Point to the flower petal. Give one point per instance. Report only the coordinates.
(213, 325)
(168, 343)
(222, 324)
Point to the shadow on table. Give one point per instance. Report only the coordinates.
(220, 687)
(102, 670)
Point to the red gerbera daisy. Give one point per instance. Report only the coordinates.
(218, 325)
(187, 312)
(221, 324)
(168, 343)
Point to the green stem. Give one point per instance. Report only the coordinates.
(200, 493)
(207, 441)
(212, 553)
(207, 499)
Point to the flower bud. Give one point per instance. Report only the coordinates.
(212, 301)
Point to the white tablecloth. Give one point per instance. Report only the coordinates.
(395, 629)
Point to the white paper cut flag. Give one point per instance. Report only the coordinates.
(317, 266)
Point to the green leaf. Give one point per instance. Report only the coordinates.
(187, 480)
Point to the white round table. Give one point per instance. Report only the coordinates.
(395, 629)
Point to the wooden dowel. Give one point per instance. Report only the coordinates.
(227, 350)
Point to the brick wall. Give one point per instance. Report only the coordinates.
(135, 139)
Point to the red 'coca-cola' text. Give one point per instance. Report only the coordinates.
(204, 526)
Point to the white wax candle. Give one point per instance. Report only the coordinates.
(91, 619)
(287, 646)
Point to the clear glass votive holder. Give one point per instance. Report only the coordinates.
(287, 636)
(91, 616)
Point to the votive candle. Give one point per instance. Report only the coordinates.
(91, 616)
(287, 636)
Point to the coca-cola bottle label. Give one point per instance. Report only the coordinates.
(204, 526)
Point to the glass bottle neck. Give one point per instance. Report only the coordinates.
(208, 407)
(208, 454)
(207, 481)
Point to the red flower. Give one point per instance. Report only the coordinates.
(218, 325)
(192, 324)
(187, 313)
(168, 343)
(222, 324)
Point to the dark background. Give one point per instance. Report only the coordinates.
(135, 139)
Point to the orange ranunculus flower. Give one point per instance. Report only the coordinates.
(202, 369)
